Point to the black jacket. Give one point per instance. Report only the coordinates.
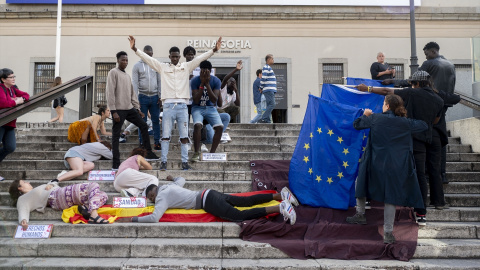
(387, 169)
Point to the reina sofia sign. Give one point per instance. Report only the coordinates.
(226, 44)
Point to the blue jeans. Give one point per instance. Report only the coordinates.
(7, 136)
(225, 117)
(208, 113)
(150, 104)
(270, 99)
(259, 113)
(172, 112)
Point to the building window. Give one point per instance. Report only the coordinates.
(43, 77)
(399, 71)
(101, 72)
(333, 73)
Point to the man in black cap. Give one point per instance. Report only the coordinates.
(422, 103)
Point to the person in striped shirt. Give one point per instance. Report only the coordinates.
(268, 86)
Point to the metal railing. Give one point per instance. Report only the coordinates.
(85, 83)
(468, 101)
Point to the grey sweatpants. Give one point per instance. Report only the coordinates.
(388, 213)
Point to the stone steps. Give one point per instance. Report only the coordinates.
(233, 156)
(197, 248)
(449, 241)
(453, 214)
(116, 263)
(434, 230)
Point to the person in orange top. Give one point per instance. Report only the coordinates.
(85, 130)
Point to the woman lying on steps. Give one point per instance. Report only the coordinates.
(221, 205)
(87, 196)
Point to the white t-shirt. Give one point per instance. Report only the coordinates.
(226, 98)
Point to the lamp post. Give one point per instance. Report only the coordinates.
(413, 40)
(59, 36)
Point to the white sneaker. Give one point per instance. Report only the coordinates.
(223, 141)
(122, 140)
(288, 195)
(286, 209)
(125, 193)
(204, 148)
(62, 173)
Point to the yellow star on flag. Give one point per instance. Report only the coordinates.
(345, 151)
(363, 149)
(311, 135)
(364, 136)
(330, 132)
(310, 171)
(330, 180)
(319, 178)
(306, 146)
(345, 164)
(305, 159)
(340, 175)
(340, 140)
(319, 130)
(360, 160)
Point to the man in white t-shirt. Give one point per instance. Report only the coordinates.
(230, 102)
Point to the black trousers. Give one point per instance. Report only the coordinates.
(222, 206)
(132, 116)
(420, 155)
(433, 163)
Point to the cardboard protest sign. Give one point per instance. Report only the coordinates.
(101, 175)
(34, 231)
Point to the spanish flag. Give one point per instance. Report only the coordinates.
(71, 215)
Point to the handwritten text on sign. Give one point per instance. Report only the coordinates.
(214, 156)
(101, 175)
(126, 202)
(34, 231)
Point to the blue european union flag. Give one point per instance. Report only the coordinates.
(324, 165)
(352, 97)
(369, 82)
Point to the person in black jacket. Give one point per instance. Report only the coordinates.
(387, 168)
(444, 78)
(422, 103)
(380, 70)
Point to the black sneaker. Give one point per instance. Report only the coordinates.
(367, 205)
(185, 166)
(357, 219)
(157, 146)
(151, 156)
(163, 166)
(388, 238)
(421, 220)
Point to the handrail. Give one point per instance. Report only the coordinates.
(38, 100)
(469, 101)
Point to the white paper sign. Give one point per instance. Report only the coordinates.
(34, 231)
(214, 157)
(129, 202)
(101, 175)
(225, 137)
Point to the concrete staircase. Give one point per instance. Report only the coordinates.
(449, 241)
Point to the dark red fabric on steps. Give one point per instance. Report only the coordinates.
(323, 232)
